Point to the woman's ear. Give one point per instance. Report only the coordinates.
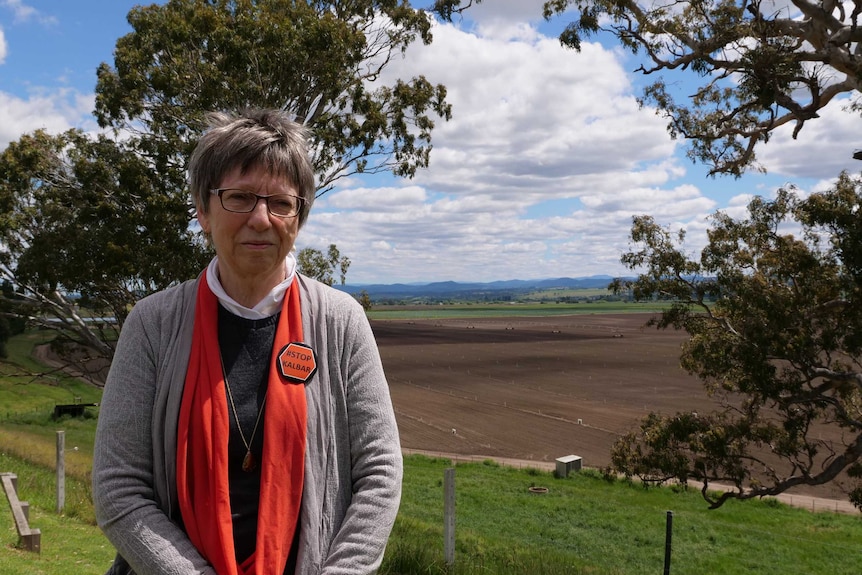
(203, 219)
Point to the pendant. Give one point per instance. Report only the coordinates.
(249, 462)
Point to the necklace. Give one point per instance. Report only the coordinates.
(249, 462)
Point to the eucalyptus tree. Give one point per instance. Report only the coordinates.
(109, 217)
(774, 319)
(324, 61)
(758, 64)
(82, 216)
(323, 267)
(775, 326)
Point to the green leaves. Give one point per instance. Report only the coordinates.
(774, 321)
(89, 216)
(319, 60)
(313, 263)
(110, 218)
(759, 68)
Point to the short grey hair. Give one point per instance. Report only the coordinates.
(252, 138)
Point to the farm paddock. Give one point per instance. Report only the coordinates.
(535, 388)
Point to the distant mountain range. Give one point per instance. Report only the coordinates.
(451, 288)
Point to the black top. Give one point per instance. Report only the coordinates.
(246, 350)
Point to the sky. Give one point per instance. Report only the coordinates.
(537, 175)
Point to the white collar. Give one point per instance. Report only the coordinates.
(268, 306)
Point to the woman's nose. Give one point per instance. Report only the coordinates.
(258, 218)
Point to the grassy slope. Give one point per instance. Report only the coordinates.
(26, 386)
(71, 543)
(583, 525)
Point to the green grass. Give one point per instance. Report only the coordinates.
(549, 294)
(30, 389)
(71, 543)
(452, 311)
(583, 525)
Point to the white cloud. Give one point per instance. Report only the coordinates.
(823, 148)
(54, 112)
(376, 199)
(4, 49)
(538, 174)
(23, 12)
(661, 203)
(481, 238)
(532, 118)
(740, 200)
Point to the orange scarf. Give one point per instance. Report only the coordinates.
(202, 439)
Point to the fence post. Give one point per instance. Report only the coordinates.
(449, 516)
(667, 542)
(61, 471)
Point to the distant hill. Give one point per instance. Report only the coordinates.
(451, 289)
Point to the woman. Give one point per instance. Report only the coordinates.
(246, 425)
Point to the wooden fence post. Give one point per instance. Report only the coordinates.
(449, 516)
(61, 471)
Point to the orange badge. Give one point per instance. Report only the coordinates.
(296, 362)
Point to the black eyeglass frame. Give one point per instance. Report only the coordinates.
(257, 197)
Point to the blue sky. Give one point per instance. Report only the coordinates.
(537, 175)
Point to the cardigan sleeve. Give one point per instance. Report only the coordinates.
(124, 496)
(376, 464)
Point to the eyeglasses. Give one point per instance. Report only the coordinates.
(243, 202)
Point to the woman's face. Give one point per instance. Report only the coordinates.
(251, 247)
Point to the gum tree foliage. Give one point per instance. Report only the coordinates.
(774, 319)
(364, 300)
(320, 60)
(10, 324)
(775, 333)
(761, 64)
(88, 216)
(323, 267)
(109, 218)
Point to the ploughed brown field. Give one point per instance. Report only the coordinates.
(535, 388)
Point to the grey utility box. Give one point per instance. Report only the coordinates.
(567, 464)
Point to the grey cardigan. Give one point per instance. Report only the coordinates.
(353, 463)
